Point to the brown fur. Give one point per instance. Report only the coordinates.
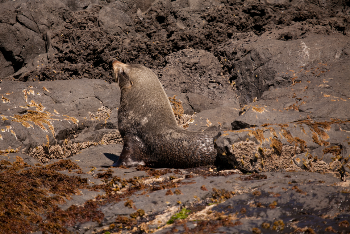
(148, 125)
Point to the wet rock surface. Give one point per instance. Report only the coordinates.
(270, 79)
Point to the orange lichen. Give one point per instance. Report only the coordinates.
(301, 143)
(258, 109)
(344, 223)
(278, 225)
(318, 127)
(62, 165)
(9, 150)
(169, 192)
(256, 231)
(176, 106)
(68, 118)
(209, 123)
(335, 150)
(38, 118)
(28, 194)
(277, 146)
(122, 220)
(182, 119)
(177, 192)
(317, 140)
(26, 92)
(273, 131)
(265, 225)
(13, 133)
(129, 203)
(273, 205)
(298, 190)
(5, 100)
(287, 135)
(58, 219)
(39, 107)
(220, 195)
(45, 89)
(138, 213)
(256, 193)
(258, 134)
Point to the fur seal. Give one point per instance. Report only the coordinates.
(147, 124)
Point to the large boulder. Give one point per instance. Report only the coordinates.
(198, 72)
(287, 147)
(23, 34)
(114, 20)
(55, 113)
(270, 60)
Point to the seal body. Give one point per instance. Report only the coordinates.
(147, 124)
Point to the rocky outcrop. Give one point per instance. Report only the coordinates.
(47, 114)
(269, 78)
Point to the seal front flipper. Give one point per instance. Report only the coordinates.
(132, 153)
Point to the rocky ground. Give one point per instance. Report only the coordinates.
(270, 78)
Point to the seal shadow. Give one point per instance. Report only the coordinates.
(112, 157)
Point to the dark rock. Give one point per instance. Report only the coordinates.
(257, 115)
(274, 146)
(20, 51)
(298, 207)
(183, 99)
(265, 62)
(275, 71)
(42, 113)
(200, 103)
(8, 13)
(217, 119)
(23, 26)
(237, 125)
(195, 71)
(113, 20)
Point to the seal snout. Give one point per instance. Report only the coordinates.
(117, 63)
(118, 67)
